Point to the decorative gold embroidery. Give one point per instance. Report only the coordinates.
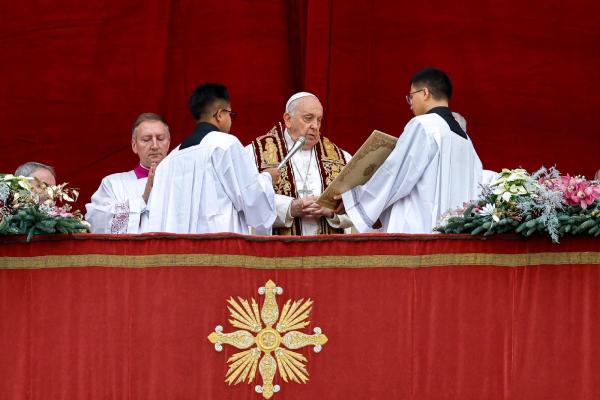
(290, 364)
(269, 155)
(330, 153)
(302, 262)
(333, 170)
(284, 186)
(269, 150)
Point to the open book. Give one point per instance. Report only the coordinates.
(363, 165)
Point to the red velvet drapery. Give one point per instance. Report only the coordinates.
(74, 75)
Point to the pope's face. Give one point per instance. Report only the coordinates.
(305, 120)
(151, 142)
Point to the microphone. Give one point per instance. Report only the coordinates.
(297, 146)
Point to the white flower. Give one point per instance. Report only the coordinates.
(24, 183)
(516, 182)
(489, 209)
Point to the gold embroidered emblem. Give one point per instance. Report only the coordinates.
(270, 154)
(273, 351)
(330, 153)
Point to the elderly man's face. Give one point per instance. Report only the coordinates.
(45, 176)
(40, 177)
(305, 120)
(151, 142)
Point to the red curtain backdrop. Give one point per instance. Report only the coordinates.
(74, 75)
(429, 317)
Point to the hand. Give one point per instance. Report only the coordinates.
(315, 210)
(297, 207)
(149, 182)
(306, 207)
(275, 174)
(340, 209)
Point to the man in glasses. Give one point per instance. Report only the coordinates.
(207, 184)
(433, 168)
(307, 173)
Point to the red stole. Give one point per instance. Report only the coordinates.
(271, 148)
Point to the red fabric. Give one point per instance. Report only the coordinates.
(74, 75)
(281, 246)
(460, 332)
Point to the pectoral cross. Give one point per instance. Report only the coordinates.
(304, 192)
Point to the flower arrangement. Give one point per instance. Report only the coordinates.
(29, 206)
(517, 201)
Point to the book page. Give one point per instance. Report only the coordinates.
(374, 151)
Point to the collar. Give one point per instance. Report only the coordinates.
(290, 142)
(205, 127)
(200, 131)
(446, 114)
(141, 171)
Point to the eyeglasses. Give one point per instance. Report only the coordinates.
(232, 114)
(410, 95)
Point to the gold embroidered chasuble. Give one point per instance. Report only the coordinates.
(271, 148)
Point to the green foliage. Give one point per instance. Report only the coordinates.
(31, 221)
(571, 221)
(544, 202)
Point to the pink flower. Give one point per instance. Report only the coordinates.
(59, 212)
(576, 190)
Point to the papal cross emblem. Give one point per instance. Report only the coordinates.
(270, 337)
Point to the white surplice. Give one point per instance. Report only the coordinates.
(211, 187)
(430, 171)
(118, 206)
(307, 176)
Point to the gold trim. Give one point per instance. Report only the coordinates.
(300, 262)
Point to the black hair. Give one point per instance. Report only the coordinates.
(435, 80)
(205, 96)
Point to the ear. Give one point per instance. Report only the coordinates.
(219, 115)
(134, 145)
(287, 118)
(427, 93)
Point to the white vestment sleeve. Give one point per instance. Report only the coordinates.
(283, 211)
(110, 213)
(250, 192)
(394, 179)
(341, 221)
(283, 217)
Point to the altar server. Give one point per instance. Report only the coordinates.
(433, 168)
(207, 184)
(119, 204)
